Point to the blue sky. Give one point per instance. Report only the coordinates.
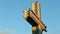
(12, 21)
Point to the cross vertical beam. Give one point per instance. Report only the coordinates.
(33, 16)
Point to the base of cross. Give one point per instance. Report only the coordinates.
(36, 30)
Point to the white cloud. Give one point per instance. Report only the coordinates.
(6, 31)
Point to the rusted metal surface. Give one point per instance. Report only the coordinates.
(32, 14)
